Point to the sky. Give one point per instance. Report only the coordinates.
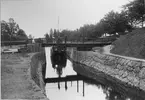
(37, 17)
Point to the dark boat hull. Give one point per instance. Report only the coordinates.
(58, 57)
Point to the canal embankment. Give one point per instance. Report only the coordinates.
(127, 74)
(22, 75)
(38, 69)
(16, 81)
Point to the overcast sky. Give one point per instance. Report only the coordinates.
(36, 17)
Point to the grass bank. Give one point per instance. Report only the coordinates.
(132, 44)
(16, 81)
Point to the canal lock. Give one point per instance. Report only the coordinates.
(69, 83)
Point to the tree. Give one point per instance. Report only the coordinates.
(21, 35)
(87, 31)
(5, 32)
(47, 37)
(55, 33)
(30, 36)
(11, 31)
(13, 28)
(38, 40)
(136, 12)
(115, 22)
(51, 35)
(111, 23)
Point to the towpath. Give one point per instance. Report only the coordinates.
(16, 82)
(106, 50)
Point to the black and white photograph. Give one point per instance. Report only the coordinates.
(72, 49)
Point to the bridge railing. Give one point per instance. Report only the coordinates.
(93, 41)
(85, 41)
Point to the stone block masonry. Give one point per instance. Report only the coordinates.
(131, 72)
(38, 68)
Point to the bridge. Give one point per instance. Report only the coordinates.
(92, 43)
(77, 44)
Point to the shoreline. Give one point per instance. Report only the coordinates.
(16, 79)
(115, 69)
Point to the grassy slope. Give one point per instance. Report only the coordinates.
(132, 44)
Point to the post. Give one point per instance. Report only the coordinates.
(58, 85)
(83, 88)
(65, 85)
(71, 83)
(77, 85)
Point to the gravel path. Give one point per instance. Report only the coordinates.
(16, 82)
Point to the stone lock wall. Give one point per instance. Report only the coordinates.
(131, 72)
(38, 68)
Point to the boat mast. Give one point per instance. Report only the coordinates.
(58, 25)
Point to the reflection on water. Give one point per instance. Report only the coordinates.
(110, 94)
(75, 88)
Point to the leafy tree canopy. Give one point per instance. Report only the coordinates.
(136, 12)
(132, 15)
(10, 31)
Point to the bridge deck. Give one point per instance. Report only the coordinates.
(77, 44)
